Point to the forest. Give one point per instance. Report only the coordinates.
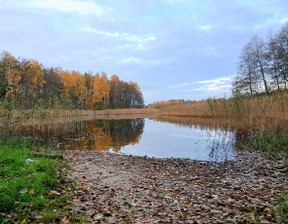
(27, 84)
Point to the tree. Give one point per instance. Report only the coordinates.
(105, 89)
(260, 57)
(9, 74)
(32, 82)
(75, 90)
(115, 86)
(282, 53)
(53, 86)
(136, 95)
(100, 93)
(253, 69)
(27, 82)
(89, 87)
(246, 80)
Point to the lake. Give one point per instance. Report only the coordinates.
(148, 137)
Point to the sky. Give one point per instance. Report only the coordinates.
(174, 49)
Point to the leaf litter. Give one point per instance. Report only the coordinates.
(115, 188)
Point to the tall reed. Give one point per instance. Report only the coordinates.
(266, 111)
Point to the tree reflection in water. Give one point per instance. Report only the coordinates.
(95, 135)
(198, 139)
(103, 135)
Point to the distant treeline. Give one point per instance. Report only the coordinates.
(161, 104)
(28, 83)
(263, 65)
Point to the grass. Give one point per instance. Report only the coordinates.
(283, 209)
(25, 187)
(273, 142)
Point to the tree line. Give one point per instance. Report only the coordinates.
(28, 83)
(263, 65)
(166, 103)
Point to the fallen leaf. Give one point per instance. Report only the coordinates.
(53, 193)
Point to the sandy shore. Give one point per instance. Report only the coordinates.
(127, 189)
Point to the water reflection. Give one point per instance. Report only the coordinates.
(104, 135)
(216, 140)
(154, 138)
(165, 140)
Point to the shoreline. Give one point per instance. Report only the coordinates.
(132, 189)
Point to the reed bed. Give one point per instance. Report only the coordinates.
(83, 113)
(47, 116)
(245, 113)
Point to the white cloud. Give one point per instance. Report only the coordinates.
(134, 60)
(104, 33)
(125, 36)
(80, 7)
(130, 46)
(284, 20)
(205, 28)
(131, 60)
(218, 81)
(222, 84)
(212, 87)
(183, 85)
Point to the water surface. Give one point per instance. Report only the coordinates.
(146, 137)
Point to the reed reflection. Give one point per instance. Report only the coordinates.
(220, 139)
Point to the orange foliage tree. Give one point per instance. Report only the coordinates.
(32, 83)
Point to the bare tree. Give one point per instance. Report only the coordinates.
(246, 80)
(260, 57)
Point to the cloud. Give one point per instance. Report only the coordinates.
(222, 84)
(205, 27)
(218, 81)
(212, 87)
(134, 60)
(125, 36)
(130, 60)
(182, 85)
(73, 6)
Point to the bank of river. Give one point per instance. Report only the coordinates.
(128, 189)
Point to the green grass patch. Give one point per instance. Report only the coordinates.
(25, 186)
(283, 209)
(272, 142)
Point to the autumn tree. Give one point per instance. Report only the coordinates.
(75, 90)
(115, 90)
(9, 73)
(105, 89)
(28, 82)
(32, 82)
(89, 87)
(100, 91)
(53, 86)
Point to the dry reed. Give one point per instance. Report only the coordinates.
(268, 111)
